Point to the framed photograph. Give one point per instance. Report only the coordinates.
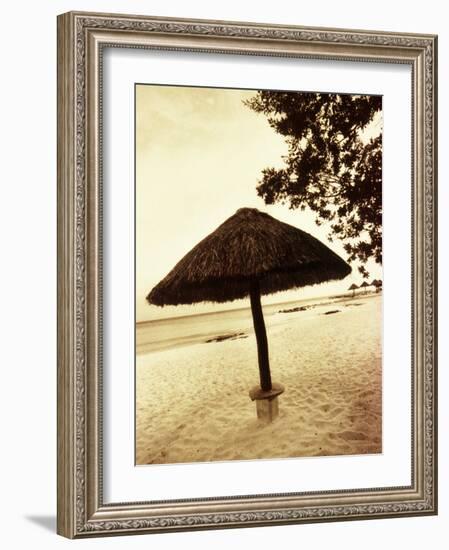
(246, 274)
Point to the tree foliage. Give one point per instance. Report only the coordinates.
(332, 166)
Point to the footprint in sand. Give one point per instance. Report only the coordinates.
(352, 436)
(366, 393)
(329, 409)
(320, 424)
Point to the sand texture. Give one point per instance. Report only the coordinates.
(192, 402)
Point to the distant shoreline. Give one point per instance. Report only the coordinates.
(317, 299)
(216, 327)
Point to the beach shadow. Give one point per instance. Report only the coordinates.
(46, 522)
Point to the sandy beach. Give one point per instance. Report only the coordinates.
(192, 402)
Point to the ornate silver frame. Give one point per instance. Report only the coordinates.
(81, 38)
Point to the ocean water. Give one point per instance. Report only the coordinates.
(163, 334)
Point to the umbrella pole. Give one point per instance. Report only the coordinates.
(261, 336)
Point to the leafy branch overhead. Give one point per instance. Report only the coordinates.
(333, 166)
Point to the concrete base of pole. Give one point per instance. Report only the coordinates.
(267, 409)
(267, 405)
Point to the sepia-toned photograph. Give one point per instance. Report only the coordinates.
(258, 274)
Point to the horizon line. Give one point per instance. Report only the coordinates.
(243, 307)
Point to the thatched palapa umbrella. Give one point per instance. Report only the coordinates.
(250, 254)
(364, 286)
(377, 284)
(353, 287)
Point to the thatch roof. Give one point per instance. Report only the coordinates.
(353, 287)
(247, 246)
(364, 284)
(376, 283)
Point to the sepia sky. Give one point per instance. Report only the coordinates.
(199, 155)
